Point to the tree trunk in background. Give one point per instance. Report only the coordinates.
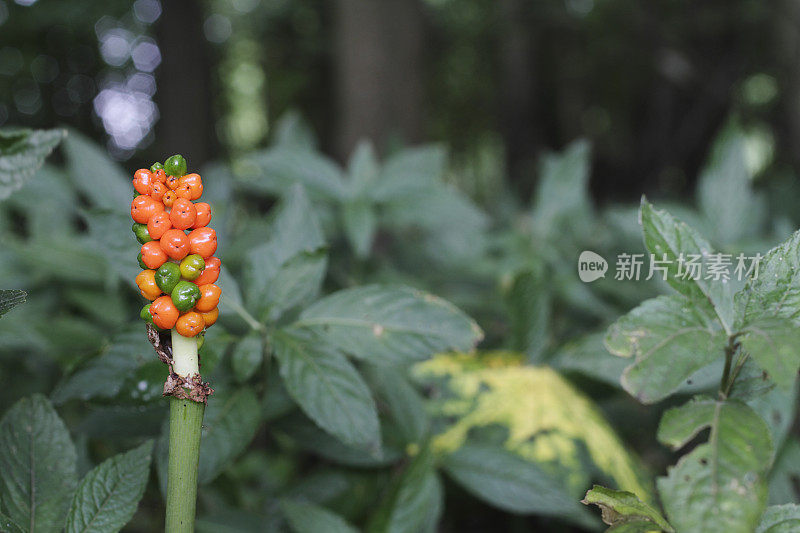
(517, 93)
(184, 97)
(378, 72)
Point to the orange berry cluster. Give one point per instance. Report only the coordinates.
(177, 255)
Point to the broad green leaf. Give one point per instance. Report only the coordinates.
(562, 197)
(589, 357)
(778, 408)
(775, 289)
(10, 298)
(390, 324)
(96, 175)
(404, 404)
(328, 388)
(298, 281)
(277, 170)
(772, 343)
(667, 238)
(247, 356)
(304, 517)
(105, 376)
(785, 473)
(409, 172)
(47, 202)
(528, 302)
(294, 231)
(107, 496)
(547, 421)
(292, 131)
(716, 486)
(509, 482)
(619, 507)
(229, 424)
(22, 153)
(111, 238)
(725, 194)
(670, 339)
(634, 526)
(360, 224)
(414, 501)
(9, 526)
(37, 461)
(362, 169)
(780, 519)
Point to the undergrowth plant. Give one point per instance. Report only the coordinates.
(721, 481)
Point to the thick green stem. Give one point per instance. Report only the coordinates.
(185, 424)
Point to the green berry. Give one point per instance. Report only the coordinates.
(192, 266)
(201, 338)
(141, 263)
(175, 165)
(142, 235)
(185, 295)
(156, 166)
(145, 314)
(167, 276)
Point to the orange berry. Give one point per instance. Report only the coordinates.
(160, 175)
(203, 215)
(190, 324)
(203, 241)
(209, 297)
(164, 312)
(146, 281)
(152, 255)
(210, 273)
(142, 181)
(210, 317)
(157, 190)
(158, 224)
(172, 182)
(175, 244)
(143, 207)
(190, 186)
(183, 213)
(169, 198)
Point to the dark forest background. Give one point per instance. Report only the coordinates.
(498, 81)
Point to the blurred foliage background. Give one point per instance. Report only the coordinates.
(471, 148)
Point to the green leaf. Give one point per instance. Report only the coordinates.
(775, 291)
(248, 354)
(292, 131)
(780, 519)
(620, 507)
(360, 224)
(328, 388)
(37, 461)
(721, 484)
(362, 169)
(304, 517)
(9, 526)
(390, 324)
(509, 482)
(96, 175)
(295, 231)
(562, 195)
(670, 339)
(772, 343)
(110, 237)
(409, 172)
(277, 170)
(10, 298)
(22, 153)
(785, 472)
(589, 357)
(724, 191)
(108, 495)
(229, 424)
(528, 302)
(414, 502)
(667, 238)
(405, 405)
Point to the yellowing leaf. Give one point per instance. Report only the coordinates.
(547, 419)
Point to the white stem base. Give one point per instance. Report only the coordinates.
(185, 362)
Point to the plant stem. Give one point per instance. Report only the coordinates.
(185, 424)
